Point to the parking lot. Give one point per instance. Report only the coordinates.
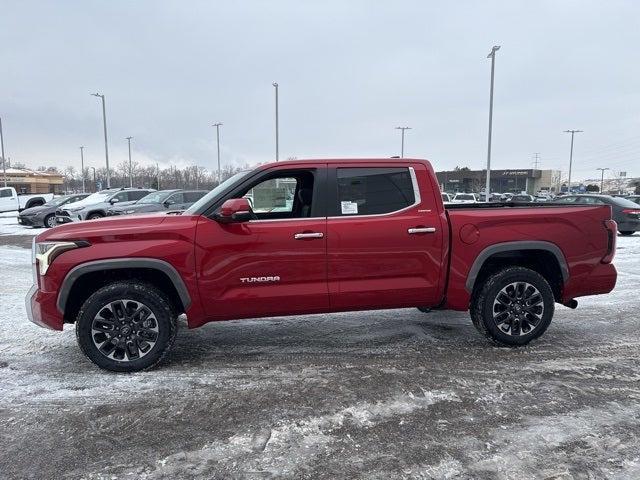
(384, 394)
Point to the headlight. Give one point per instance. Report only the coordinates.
(46, 252)
(128, 212)
(74, 209)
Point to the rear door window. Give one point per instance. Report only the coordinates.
(191, 197)
(137, 194)
(373, 191)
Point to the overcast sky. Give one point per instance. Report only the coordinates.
(349, 72)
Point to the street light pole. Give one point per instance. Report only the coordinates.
(106, 147)
(130, 166)
(82, 166)
(218, 125)
(4, 163)
(402, 144)
(492, 56)
(602, 177)
(572, 132)
(275, 84)
(95, 185)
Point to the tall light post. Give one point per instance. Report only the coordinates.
(572, 132)
(95, 185)
(402, 143)
(130, 165)
(4, 163)
(218, 125)
(106, 147)
(82, 166)
(492, 56)
(275, 84)
(602, 177)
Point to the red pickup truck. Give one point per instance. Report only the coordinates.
(316, 236)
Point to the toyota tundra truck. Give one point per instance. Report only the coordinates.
(313, 237)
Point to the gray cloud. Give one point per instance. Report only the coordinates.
(349, 73)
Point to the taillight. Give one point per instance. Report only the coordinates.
(612, 230)
(631, 212)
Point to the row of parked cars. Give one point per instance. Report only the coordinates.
(494, 197)
(115, 201)
(625, 209)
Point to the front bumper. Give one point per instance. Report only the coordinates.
(68, 217)
(30, 221)
(42, 310)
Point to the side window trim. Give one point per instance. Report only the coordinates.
(333, 194)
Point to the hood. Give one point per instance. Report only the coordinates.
(35, 210)
(111, 227)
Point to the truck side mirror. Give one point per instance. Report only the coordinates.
(114, 200)
(235, 210)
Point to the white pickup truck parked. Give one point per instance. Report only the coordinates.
(10, 200)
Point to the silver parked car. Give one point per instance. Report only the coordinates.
(160, 201)
(96, 205)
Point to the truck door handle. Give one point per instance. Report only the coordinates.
(302, 236)
(413, 231)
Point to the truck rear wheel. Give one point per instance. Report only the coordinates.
(126, 327)
(513, 307)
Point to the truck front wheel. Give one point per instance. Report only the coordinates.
(126, 326)
(514, 306)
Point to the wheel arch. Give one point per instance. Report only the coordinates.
(100, 212)
(84, 279)
(546, 258)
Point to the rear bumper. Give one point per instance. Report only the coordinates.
(42, 310)
(602, 279)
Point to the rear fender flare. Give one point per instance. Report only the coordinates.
(515, 246)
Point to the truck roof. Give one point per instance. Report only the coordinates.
(345, 159)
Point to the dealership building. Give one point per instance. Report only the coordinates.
(516, 181)
(30, 181)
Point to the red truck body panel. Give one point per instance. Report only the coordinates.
(358, 263)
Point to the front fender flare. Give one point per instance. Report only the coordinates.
(120, 264)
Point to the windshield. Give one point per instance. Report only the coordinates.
(155, 197)
(465, 197)
(237, 178)
(56, 201)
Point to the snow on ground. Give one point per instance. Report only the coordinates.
(9, 225)
(376, 395)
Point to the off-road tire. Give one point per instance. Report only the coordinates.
(151, 297)
(50, 221)
(627, 232)
(482, 307)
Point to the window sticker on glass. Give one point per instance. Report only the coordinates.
(349, 208)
